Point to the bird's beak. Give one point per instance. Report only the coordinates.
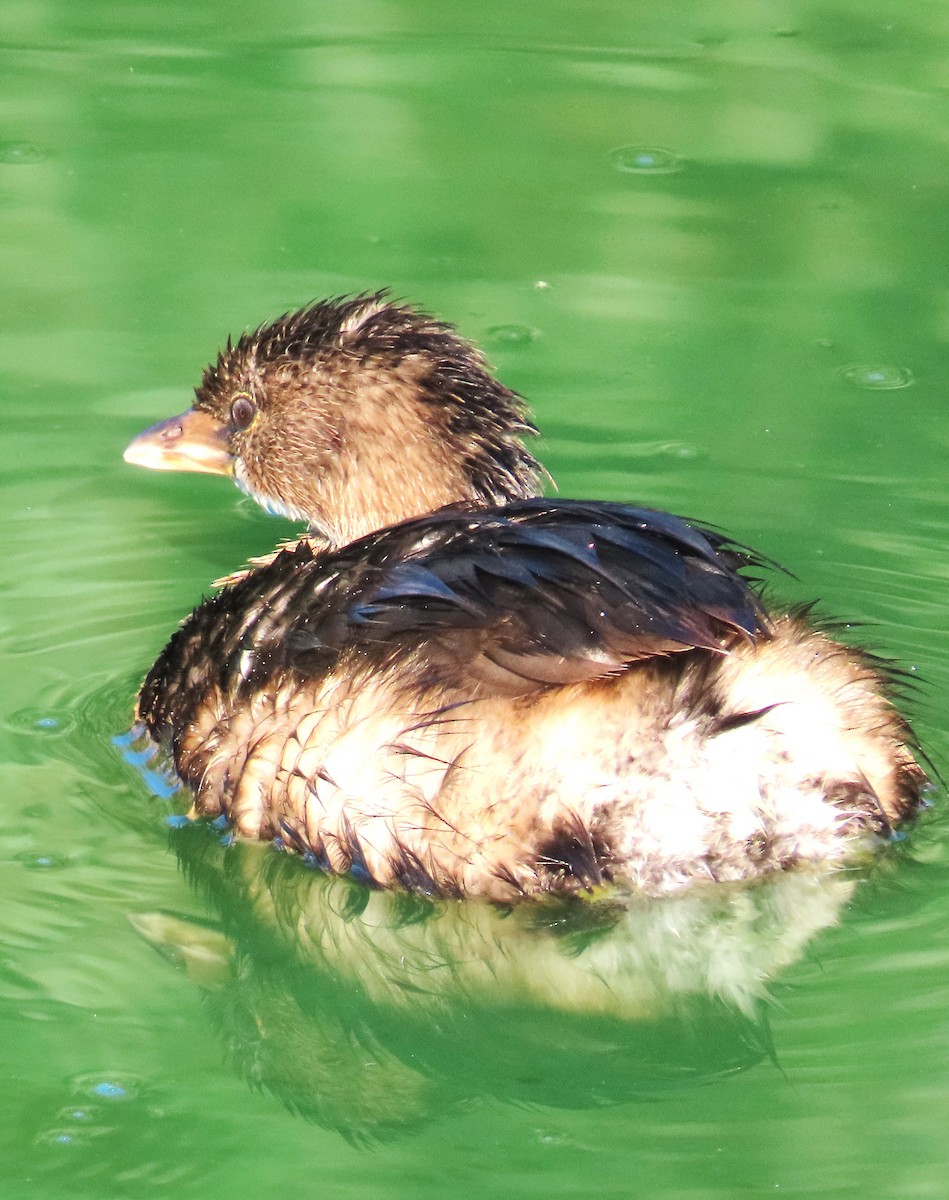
(193, 441)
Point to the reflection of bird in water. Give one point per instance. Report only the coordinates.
(503, 696)
(374, 1012)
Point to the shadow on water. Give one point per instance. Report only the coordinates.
(374, 1012)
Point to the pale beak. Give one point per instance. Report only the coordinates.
(193, 441)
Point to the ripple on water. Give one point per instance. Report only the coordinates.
(77, 1122)
(877, 377)
(76, 1125)
(114, 1088)
(43, 860)
(41, 722)
(646, 160)
(65, 1136)
(81, 1114)
(125, 1126)
(511, 337)
(21, 154)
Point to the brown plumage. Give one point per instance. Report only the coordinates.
(451, 685)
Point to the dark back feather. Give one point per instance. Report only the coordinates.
(537, 593)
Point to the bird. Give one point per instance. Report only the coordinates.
(453, 685)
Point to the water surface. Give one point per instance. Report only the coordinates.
(709, 243)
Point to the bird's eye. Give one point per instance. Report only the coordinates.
(243, 411)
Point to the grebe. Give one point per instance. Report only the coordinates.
(454, 686)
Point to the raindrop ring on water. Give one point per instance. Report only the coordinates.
(106, 1087)
(43, 860)
(20, 153)
(511, 336)
(877, 377)
(646, 160)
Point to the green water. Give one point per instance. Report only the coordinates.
(710, 243)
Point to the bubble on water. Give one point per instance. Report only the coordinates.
(82, 1115)
(21, 153)
(878, 377)
(548, 1138)
(108, 1090)
(112, 1088)
(646, 160)
(41, 722)
(77, 1126)
(511, 337)
(57, 1137)
(43, 861)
